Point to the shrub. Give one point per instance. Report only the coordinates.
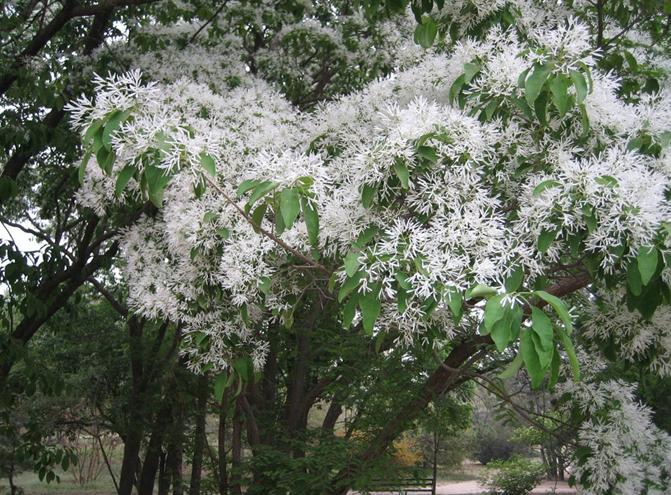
(517, 476)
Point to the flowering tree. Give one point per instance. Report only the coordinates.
(486, 182)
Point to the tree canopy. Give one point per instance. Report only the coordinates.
(442, 191)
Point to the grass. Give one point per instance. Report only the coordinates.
(468, 471)
(31, 485)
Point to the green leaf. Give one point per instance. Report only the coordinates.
(82, 166)
(540, 106)
(480, 290)
(261, 190)
(501, 334)
(311, 218)
(351, 263)
(514, 281)
(349, 310)
(544, 354)
(258, 215)
(369, 304)
(455, 301)
(647, 263)
(546, 184)
(105, 159)
(608, 181)
(494, 311)
(350, 284)
(546, 238)
(246, 186)
(535, 82)
(470, 70)
(208, 164)
(570, 351)
(366, 236)
(368, 195)
(290, 206)
(428, 153)
(123, 178)
(542, 326)
(456, 87)
(512, 369)
(96, 127)
(112, 124)
(156, 182)
(401, 171)
(559, 307)
(221, 383)
(580, 86)
(244, 368)
(425, 33)
(209, 217)
(560, 97)
(531, 361)
(634, 279)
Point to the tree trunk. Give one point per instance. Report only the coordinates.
(163, 475)
(236, 452)
(153, 454)
(221, 445)
(445, 378)
(199, 436)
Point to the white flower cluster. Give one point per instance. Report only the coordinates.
(626, 452)
(635, 339)
(456, 195)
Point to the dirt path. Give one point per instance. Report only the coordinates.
(474, 488)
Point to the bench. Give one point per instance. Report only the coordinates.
(403, 486)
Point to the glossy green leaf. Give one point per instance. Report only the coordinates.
(368, 195)
(494, 311)
(514, 281)
(560, 98)
(580, 86)
(290, 206)
(401, 171)
(261, 189)
(370, 305)
(533, 85)
(531, 361)
(570, 352)
(542, 326)
(221, 383)
(350, 285)
(546, 239)
(311, 218)
(351, 263)
(512, 369)
(647, 259)
(125, 175)
(156, 182)
(425, 33)
(208, 164)
(559, 307)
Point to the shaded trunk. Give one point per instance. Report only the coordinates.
(153, 454)
(199, 436)
(163, 475)
(221, 445)
(134, 428)
(236, 452)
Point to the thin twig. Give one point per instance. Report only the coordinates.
(312, 263)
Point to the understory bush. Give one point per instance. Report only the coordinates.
(516, 476)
